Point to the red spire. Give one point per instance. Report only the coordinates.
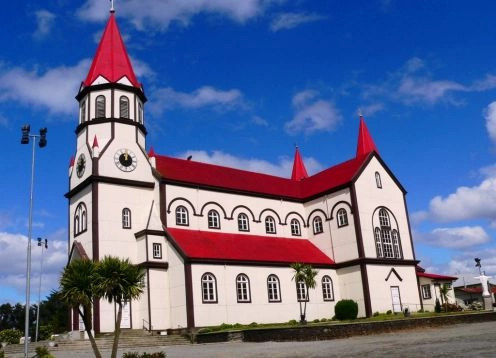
(71, 162)
(151, 153)
(299, 171)
(365, 142)
(111, 60)
(95, 142)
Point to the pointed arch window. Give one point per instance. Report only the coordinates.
(295, 228)
(140, 113)
(243, 223)
(301, 291)
(243, 288)
(209, 288)
(270, 225)
(83, 111)
(182, 217)
(318, 227)
(124, 107)
(378, 180)
(387, 238)
(213, 220)
(327, 289)
(100, 106)
(273, 288)
(80, 219)
(126, 218)
(342, 218)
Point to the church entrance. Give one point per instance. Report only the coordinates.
(395, 296)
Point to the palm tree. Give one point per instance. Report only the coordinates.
(304, 274)
(76, 289)
(119, 281)
(443, 291)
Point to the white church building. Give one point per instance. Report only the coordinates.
(217, 243)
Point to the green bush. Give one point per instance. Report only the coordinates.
(144, 355)
(130, 355)
(11, 336)
(389, 312)
(2, 354)
(346, 309)
(293, 322)
(45, 332)
(43, 352)
(376, 314)
(324, 320)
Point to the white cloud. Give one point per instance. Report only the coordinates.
(282, 169)
(457, 237)
(312, 114)
(424, 90)
(371, 109)
(53, 89)
(259, 121)
(206, 96)
(291, 20)
(490, 116)
(160, 14)
(45, 20)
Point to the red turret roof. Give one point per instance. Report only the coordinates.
(299, 171)
(365, 143)
(111, 60)
(95, 142)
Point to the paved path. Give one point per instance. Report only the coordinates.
(461, 340)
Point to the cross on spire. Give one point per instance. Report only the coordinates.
(112, 6)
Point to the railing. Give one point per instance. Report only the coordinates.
(147, 326)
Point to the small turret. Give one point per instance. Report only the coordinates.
(299, 170)
(365, 143)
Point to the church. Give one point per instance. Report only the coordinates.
(217, 243)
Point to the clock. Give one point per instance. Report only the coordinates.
(125, 160)
(80, 165)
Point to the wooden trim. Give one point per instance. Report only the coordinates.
(190, 309)
(108, 180)
(154, 265)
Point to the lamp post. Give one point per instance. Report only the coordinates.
(42, 143)
(42, 244)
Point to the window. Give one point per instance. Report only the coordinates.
(80, 219)
(327, 289)
(387, 240)
(318, 228)
(213, 220)
(140, 113)
(342, 218)
(426, 291)
(273, 289)
(270, 225)
(301, 291)
(243, 288)
(124, 107)
(378, 181)
(126, 218)
(243, 222)
(181, 216)
(100, 107)
(295, 228)
(157, 250)
(83, 111)
(209, 288)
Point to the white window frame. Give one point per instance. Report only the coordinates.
(243, 288)
(295, 227)
(273, 288)
(213, 219)
(270, 225)
(243, 223)
(318, 225)
(182, 216)
(209, 288)
(126, 218)
(157, 250)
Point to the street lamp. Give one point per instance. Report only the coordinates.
(42, 142)
(42, 245)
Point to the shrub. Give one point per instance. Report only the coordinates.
(144, 355)
(43, 352)
(11, 336)
(130, 355)
(389, 312)
(253, 324)
(376, 314)
(2, 354)
(346, 309)
(316, 320)
(293, 322)
(45, 332)
(324, 320)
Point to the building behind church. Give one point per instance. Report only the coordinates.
(217, 242)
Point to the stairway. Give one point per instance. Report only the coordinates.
(129, 339)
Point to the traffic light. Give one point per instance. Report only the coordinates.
(43, 141)
(25, 134)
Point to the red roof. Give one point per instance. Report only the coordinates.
(111, 60)
(207, 245)
(475, 289)
(436, 277)
(197, 173)
(299, 170)
(365, 143)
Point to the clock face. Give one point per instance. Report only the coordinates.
(80, 165)
(125, 160)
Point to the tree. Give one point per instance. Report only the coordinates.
(443, 291)
(304, 274)
(119, 281)
(76, 289)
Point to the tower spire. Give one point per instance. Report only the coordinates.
(365, 143)
(299, 170)
(112, 10)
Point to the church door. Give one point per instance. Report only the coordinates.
(395, 295)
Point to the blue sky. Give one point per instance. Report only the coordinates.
(239, 83)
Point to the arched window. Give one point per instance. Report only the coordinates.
(83, 111)
(100, 107)
(124, 107)
(327, 289)
(243, 288)
(273, 288)
(213, 220)
(301, 291)
(387, 238)
(270, 225)
(342, 218)
(378, 181)
(80, 219)
(209, 288)
(126, 218)
(243, 223)
(295, 228)
(140, 113)
(318, 228)
(182, 216)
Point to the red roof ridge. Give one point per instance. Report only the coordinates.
(111, 60)
(299, 170)
(365, 143)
